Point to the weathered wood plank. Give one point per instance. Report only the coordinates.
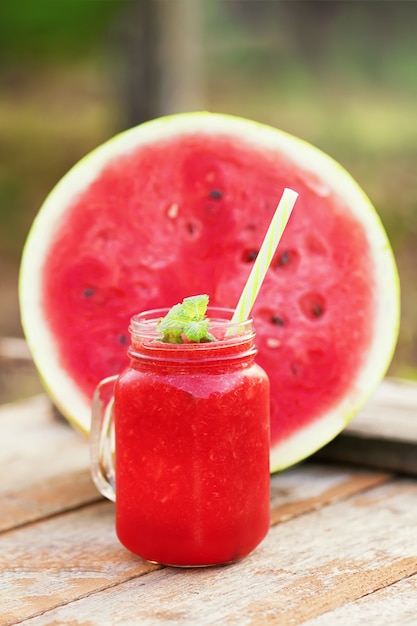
(35, 445)
(305, 568)
(297, 491)
(14, 349)
(391, 413)
(43, 464)
(392, 605)
(311, 486)
(321, 560)
(45, 467)
(383, 434)
(394, 456)
(48, 564)
(49, 497)
(58, 542)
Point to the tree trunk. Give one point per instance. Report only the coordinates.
(181, 56)
(162, 49)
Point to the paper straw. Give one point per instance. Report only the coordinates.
(265, 254)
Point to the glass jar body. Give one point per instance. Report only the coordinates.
(192, 452)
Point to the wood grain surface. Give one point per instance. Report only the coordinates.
(383, 434)
(306, 567)
(342, 548)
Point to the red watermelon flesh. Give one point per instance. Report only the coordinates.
(187, 215)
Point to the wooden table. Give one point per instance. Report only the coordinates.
(342, 548)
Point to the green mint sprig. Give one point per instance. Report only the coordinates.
(188, 320)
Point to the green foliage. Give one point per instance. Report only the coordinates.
(187, 320)
(46, 28)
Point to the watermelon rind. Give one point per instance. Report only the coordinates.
(65, 393)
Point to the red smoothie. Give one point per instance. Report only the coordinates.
(192, 448)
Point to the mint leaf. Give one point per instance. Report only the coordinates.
(172, 336)
(195, 307)
(186, 320)
(196, 331)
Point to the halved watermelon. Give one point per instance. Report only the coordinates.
(179, 206)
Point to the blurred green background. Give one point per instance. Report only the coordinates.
(339, 74)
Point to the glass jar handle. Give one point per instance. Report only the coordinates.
(102, 439)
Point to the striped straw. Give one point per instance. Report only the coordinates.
(265, 254)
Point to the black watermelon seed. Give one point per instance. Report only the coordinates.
(285, 258)
(317, 310)
(251, 255)
(276, 319)
(312, 305)
(123, 340)
(88, 292)
(191, 228)
(216, 194)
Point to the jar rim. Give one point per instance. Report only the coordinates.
(143, 326)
